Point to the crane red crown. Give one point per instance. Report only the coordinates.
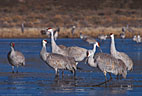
(49, 28)
(12, 44)
(98, 43)
(45, 40)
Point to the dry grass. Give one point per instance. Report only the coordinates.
(16, 33)
(99, 17)
(43, 13)
(64, 32)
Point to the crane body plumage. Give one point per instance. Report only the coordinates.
(57, 61)
(106, 63)
(120, 55)
(15, 58)
(76, 52)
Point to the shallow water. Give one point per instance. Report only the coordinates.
(36, 78)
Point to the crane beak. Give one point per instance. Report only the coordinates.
(99, 47)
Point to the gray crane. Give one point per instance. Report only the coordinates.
(123, 34)
(102, 37)
(137, 38)
(15, 58)
(57, 61)
(55, 47)
(88, 39)
(22, 27)
(106, 63)
(129, 29)
(120, 55)
(44, 32)
(56, 33)
(134, 38)
(77, 52)
(73, 29)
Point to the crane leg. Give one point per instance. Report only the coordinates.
(117, 77)
(17, 70)
(105, 75)
(105, 78)
(12, 69)
(62, 73)
(56, 72)
(110, 76)
(74, 73)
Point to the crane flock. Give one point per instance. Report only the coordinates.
(67, 58)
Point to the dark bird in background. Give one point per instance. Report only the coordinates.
(22, 27)
(73, 29)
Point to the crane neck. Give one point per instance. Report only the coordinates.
(44, 48)
(43, 52)
(113, 49)
(52, 36)
(12, 48)
(94, 48)
(91, 61)
(53, 43)
(44, 45)
(52, 39)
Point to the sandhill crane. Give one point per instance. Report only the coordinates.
(139, 39)
(57, 61)
(44, 32)
(124, 29)
(106, 63)
(15, 58)
(22, 27)
(77, 52)
(102, 37)
(134, 38)
(120, 55)
(73, 29)
(55, 47)
(122, 35)
(56, 32)
(88, 39)
(129, 29)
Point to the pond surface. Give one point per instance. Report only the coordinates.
(37, 78)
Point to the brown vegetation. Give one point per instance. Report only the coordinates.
(90, 16)
(65, 32)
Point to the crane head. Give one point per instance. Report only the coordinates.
(98, 44)
(111, 35)
(50, 30)
(12, 44)
(44, 41)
